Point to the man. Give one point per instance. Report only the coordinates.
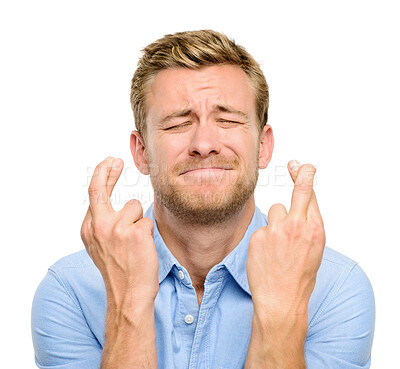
(203, 279)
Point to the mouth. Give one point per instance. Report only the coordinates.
(206, 169)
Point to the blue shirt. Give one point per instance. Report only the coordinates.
(69, 309)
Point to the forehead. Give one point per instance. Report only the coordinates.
(199, 90)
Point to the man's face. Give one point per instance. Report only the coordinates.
(202, 142)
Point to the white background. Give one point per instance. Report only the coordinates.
(333, 72)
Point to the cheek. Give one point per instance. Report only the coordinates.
(174, 148)
(168, 154)
(245, 146)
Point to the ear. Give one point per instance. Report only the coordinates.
(266, 146)
(138, 150)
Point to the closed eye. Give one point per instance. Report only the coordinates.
(225, 123)
(229, 122)
(178, 126)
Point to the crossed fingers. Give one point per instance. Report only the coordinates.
(304, 204)
(104, 178)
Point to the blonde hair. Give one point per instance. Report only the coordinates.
(193, 50)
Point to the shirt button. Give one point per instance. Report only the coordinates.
(181, 274)
(189, 319)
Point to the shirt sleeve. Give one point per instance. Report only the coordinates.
(341, 334)
(61, 336)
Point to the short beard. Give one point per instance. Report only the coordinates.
(202, 208)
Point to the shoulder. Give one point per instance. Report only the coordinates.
(66, 282)
(341, 314)
(60, 318)
(76, 264)
(77, 276)
(78, 259)
(335, 259)
(342, 289)
(340, 272)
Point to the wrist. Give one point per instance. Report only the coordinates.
(130, 302)
(277, 341)
(133, 324)
(130, 340)
(281, 325)
(133, 311)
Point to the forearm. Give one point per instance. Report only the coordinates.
(130, 340)
(277, 343)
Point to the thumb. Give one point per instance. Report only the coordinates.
(293, 167)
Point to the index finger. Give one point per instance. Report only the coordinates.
(99, 198)
(303, 190)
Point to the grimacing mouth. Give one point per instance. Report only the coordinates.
(202, 167)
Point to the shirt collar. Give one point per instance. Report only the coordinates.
(165, 258)
(235, 261)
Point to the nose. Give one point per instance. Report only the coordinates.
(205, 140)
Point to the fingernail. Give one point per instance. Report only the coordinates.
(116, 163)
(294, 165)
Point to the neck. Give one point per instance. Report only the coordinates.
(198, 247)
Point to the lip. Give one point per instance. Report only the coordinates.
(205, 169)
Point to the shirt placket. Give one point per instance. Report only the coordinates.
(187, 312)
(199, 356)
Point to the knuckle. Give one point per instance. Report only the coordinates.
(145, 225)
(316, 225)
(274, 229)
(100, 229)
(93, 190)
(139, 234)
(147, 222)
(87, 238)
(149, 226)
(316, 229)
(118, 230)
(84, 231)
(295, 226)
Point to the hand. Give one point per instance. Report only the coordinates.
(284, 257)
(120, 243)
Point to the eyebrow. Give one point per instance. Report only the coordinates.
(229, 109)
(177, 114)
(221, 108)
